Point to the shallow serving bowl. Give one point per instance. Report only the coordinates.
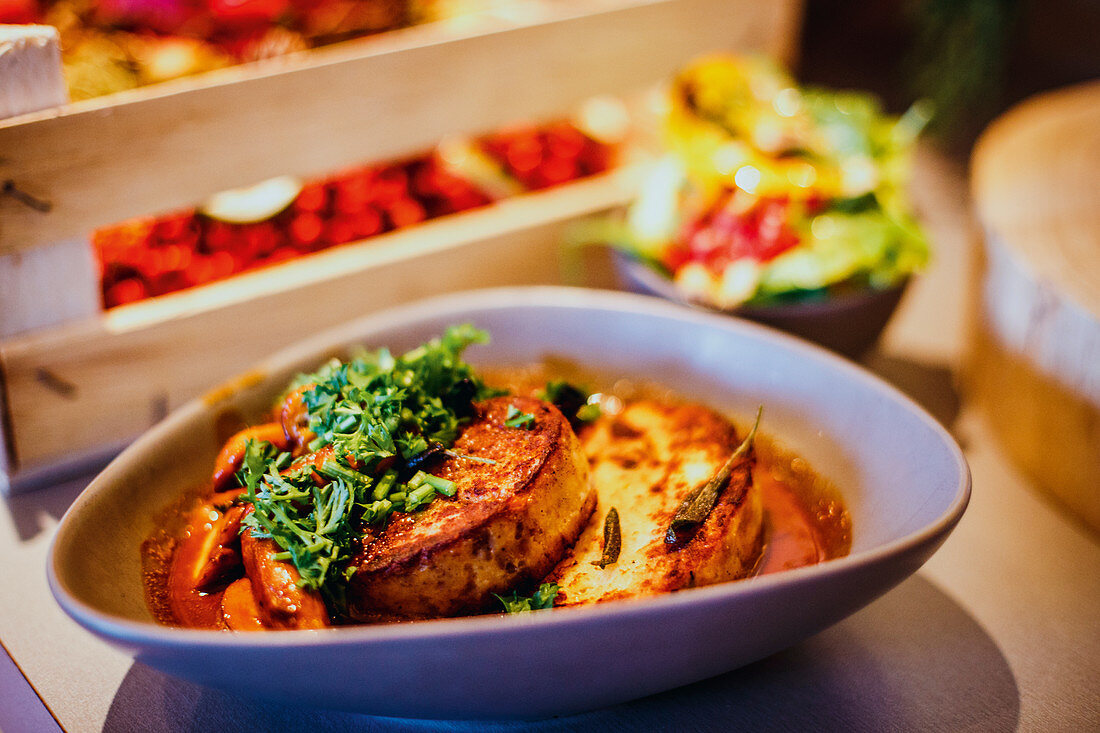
(849, 324)
(904, 479)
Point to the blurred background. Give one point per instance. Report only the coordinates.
(972, 58)
(294, 163)
(188, 186)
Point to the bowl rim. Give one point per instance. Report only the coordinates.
(657, 284)
(134, 633)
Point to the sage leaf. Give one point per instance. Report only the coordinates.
(612, 540)
(695, 509)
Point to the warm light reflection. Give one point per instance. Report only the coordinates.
(787, 102)
(609, 403)
(802, 175)
(605, 119)
(729, 156)
(858, 175)
(747, 178)
(823, 227)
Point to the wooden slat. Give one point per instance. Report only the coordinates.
(30, 69)
(173, 145)
(46, 286)
(56, 282)
(100, 382)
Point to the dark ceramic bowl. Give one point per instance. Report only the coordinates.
(848, 324)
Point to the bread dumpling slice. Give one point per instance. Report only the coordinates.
(523, 497)
(644, 462)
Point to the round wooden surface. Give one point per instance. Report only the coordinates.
(1033, 361)
(1035, 181)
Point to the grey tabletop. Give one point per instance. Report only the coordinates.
(999, 631)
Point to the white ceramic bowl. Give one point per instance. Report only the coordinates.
(905, 481)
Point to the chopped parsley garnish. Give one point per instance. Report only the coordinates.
(516, 419)
(589, 413)
(537, 601)
(379, 423)
(571, 400)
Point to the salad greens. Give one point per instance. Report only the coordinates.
(771, 192)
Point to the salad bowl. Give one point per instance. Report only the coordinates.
(785, 204)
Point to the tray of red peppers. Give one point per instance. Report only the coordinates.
(285, 218)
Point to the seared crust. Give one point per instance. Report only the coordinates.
(644, 462)
(510, 521)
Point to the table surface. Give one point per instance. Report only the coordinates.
(999, 631)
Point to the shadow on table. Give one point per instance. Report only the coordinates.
(930, 385)
(913, 660)
(34, 511)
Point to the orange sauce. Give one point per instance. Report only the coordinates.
(169, 558)
(805, 519)
(792, 539)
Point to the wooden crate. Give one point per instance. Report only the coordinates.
(88, 384)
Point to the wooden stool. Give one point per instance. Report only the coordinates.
(1034, 357)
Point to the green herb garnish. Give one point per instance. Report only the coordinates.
(541, 599)
(571, 400)
(516, 419)
(589, 413)
(378, 420)
(695, 509)
(563, 394)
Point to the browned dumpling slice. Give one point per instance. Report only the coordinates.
(520, 504)
(644, 462)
